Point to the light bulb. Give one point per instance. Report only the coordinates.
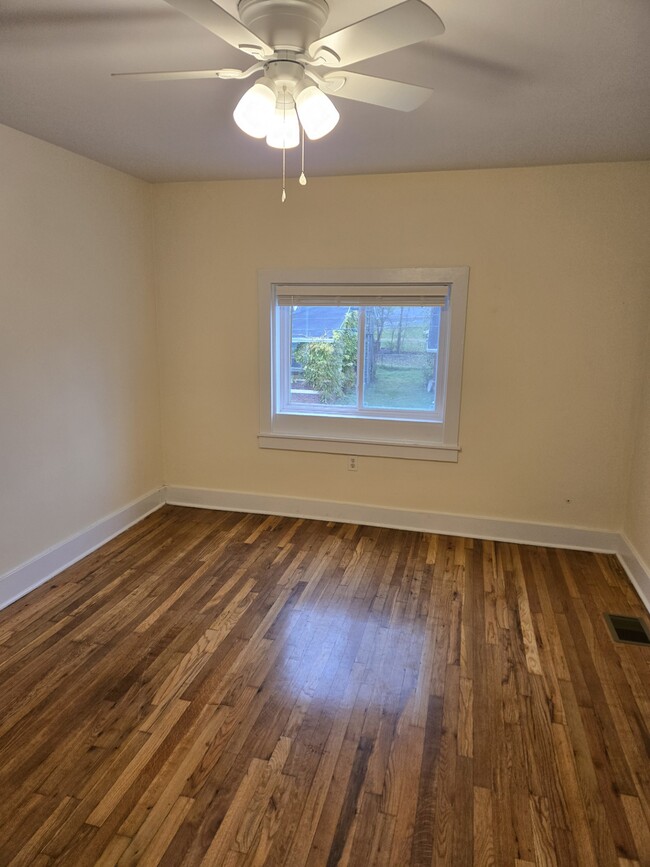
(284, 131)
(316, 111)
(254, 111)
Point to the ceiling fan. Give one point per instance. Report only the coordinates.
(298, 68)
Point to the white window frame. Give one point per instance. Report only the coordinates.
(330, 430)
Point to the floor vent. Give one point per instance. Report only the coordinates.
(628, 630)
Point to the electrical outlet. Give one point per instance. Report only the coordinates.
(352, 464)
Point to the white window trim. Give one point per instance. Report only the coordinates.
(360, 436)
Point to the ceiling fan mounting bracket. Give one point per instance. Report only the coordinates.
(285, 24)
(330, 85)
(253, 50)
(324, 56)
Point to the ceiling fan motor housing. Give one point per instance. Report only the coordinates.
(290, 25)
(285, 74)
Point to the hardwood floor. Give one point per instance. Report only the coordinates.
(225, 689)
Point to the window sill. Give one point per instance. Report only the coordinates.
(410, 451)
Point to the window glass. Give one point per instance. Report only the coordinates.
(398, 365)
(401, 357)
(324, 356)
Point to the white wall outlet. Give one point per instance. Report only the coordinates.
(352, 463)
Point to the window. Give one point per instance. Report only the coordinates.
(363, 361)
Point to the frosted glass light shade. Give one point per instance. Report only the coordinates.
(254, 112)
(316, 111)
(284, 130)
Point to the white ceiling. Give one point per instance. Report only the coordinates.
(517, 82)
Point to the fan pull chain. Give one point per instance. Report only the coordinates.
(284, 145)
(302, 179)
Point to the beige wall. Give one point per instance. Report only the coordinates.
(558, 311)
(79, 422)
(558, 286)
(637, 523)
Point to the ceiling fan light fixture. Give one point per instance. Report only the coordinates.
(254, 113)
(284, 131)
(316, 111)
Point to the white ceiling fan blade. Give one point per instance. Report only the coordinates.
(189, 74)
(376, 91)
(222, 24)
(393, 28)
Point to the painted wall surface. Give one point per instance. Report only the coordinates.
(558, 286)
(637, 523)
(79, 413)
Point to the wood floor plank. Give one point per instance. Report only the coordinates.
(483, 831)
(249, 691)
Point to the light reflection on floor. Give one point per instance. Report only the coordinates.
(331, 656)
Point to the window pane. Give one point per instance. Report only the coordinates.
(401, 357)
(324, 354)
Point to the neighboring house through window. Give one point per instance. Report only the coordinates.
(363, 361)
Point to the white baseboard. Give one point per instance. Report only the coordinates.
(30, 575)
(637, 571)
(496, 529)
(41, 568)
(401, 519)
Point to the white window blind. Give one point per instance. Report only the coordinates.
(362, 296)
